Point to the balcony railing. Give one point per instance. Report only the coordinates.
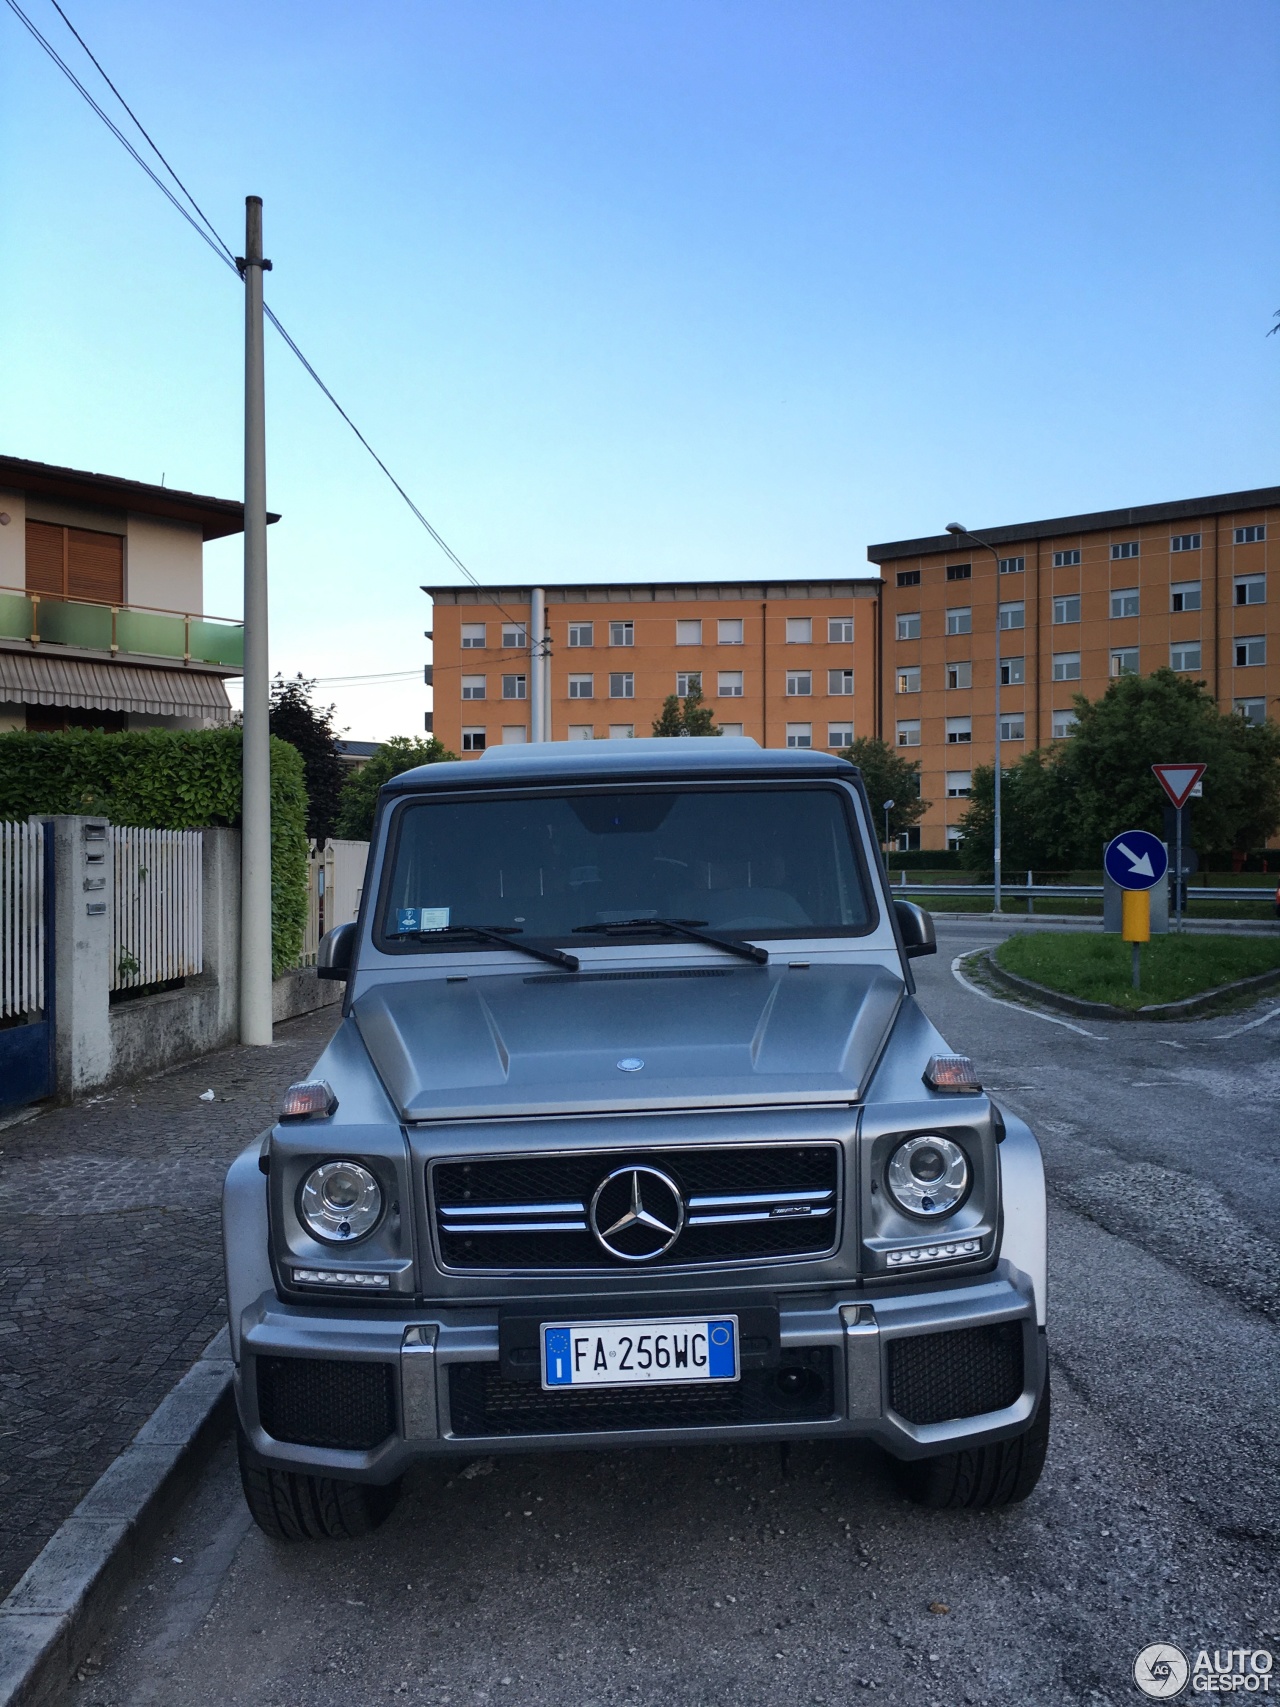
(130, 630)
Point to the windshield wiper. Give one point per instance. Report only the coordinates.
(685, 928)
(501, 934)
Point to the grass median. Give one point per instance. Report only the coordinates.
(1100, 968)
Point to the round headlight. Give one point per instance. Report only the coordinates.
(340, 1201)
(928, 1175)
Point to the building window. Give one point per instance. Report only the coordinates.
(1251, 650)
(799, 630)
(840, 630)
(729, 631)
(1124, 661)
(955, 838)
(731, 729)
(622, 634)
(799, 734)
(1012, 565)
(909, 679)
(1185, 542)
(1252, 710)
(687, 682)
(840, 681)
(582, 731)
(1013, 615)
(959, 729)
(959, 571)
(514, 735)
(622, 685)
(622, 731)
(1066, 666)
(1065, 559)
(515, 637)
(1067, 608)
(960, 620)
(514, 687)
(960, 675)
(473, 687)
(473, 741)
(799, 684)
(1183, 655)
(1013, 672)
(582, 687)
(958, 785)
(1251, 589)
(729, 684)
(1128, 549)
(582, 633)
(839, 736)
(909, 625)
(1184, 595)
(473, 636)
(1013, 728)
(908, 577)
(689, 631)
(1064, 723)
(1124, 601)
(909, 732)
(1250, 535)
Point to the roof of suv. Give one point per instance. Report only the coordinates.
(592, 761)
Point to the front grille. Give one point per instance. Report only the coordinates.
(743, 1203)
(483, 1402)
(311, 1401)
(938, 1377)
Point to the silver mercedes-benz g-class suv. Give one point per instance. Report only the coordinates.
(632, 1132)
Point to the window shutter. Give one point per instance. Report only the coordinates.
(45, 558)
(95, 566)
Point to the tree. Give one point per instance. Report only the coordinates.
(888, 777)
(295, 718)
(691, 718)
(1038, 824)
(360, 796)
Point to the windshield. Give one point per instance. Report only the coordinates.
(741, 861)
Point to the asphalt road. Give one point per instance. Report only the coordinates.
(730, 1578)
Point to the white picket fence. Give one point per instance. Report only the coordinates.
(335, 877)
(157, 911)
(21, 919)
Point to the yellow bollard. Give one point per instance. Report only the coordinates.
(1135, 925)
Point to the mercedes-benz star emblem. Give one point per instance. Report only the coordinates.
(637, 1214)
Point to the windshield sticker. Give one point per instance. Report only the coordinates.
(421, 919)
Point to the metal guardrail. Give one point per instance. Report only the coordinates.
(1071, 891)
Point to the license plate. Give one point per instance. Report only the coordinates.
(626, 1354)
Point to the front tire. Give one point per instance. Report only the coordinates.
(981, 1478)
(290, 1506)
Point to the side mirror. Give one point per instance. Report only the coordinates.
(333, 959)
(917, 929)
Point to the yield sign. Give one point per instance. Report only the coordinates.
(1178, 780)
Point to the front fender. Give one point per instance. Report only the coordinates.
(1026, 1237)
(246, 1253)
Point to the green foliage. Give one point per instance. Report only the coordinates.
(360, 795)
(164, 779)
(1060, 805)
(309, 728)
(693, 717)
(1100, 968)
(888, 776)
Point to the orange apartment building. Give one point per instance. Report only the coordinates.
(1080, 599)
(791, 663)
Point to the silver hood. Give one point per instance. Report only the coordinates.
(551, 1043)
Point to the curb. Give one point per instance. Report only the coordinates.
(1185, 1009)
(61, 1604)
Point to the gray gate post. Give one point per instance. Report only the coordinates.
(83, 889)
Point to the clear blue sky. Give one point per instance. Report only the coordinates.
(652, 290)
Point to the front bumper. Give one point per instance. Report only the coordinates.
(871, 1366)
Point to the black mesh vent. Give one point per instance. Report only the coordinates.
(483, 1402)
(574, 1178)
(308, 1401)
(938, 1377)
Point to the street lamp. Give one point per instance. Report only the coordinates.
(963, 532)
(888, 807)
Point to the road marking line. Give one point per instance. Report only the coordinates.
(1271, 1014)
(1035, 1013)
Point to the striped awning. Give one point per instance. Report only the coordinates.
(38, 678)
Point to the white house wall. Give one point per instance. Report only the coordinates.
(164, 565)
(13, 540)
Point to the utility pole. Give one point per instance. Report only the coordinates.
(998, 767)
(255, 809)
(537, 665)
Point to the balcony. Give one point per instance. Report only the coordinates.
(121, 630)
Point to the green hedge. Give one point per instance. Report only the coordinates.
(163, 779)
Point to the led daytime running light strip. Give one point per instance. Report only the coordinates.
(342, 1277)
(935, 1253)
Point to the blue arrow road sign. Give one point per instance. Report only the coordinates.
(1136, 859)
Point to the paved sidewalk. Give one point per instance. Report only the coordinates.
(111, 1266)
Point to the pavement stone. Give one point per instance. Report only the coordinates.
(111, 1266)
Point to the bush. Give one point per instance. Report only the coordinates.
(162, 779)
(360, 795)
